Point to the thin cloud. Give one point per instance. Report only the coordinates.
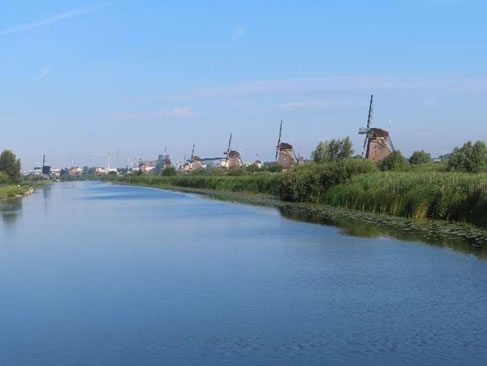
(42, 74)
(176, 112)
(239, 32)
(43, 22)
(333, 84)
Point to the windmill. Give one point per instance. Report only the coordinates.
(377, 143)
(285, 155)
(232, 158)
(46, 170)
(195, 162)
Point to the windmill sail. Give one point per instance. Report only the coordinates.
(279, 141)
(369, 120)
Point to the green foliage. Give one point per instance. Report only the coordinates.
(273, 167)
(394, 162)
(9, 164)
(169, 172)
(451, 196)
(4, 178)
(332, 150)
(419, 157)
(259, 183)
(469, 158)
(309, 182)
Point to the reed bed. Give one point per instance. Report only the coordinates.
(268, 183)
(448, 196)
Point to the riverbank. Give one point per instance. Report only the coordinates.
(459, 236)
(354, 184)
(14, 190)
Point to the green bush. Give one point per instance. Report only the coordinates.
(4, 178)
(419, 157)
(169, 172)
(394, 162)
(469, 158)
(309, 182)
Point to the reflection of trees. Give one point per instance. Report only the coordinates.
(446, 235)
(10, 210)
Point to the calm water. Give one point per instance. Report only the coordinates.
(94, 274)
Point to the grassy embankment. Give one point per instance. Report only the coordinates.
(11, 190)
(427, 192)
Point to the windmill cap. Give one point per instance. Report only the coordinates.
(285, 146)
(378, 132)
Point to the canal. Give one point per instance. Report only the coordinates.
(95, 274)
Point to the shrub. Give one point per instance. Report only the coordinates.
(309, 182)
(169, 172)
(394, 162)
(419, 157)
(469, 158)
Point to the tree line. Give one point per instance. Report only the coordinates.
(471, 157)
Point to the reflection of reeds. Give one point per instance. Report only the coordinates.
(451, 196)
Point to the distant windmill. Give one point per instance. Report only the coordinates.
(232, 156)
(195, 161)
(285, 155)
(377, 143)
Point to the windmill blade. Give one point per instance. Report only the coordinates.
(192, 153)
(371, 111)
(365, 144)
(279, 140)
(391, 144)
(229, 145)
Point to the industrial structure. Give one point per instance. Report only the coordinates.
(377, 144)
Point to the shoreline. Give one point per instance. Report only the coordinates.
(353, 222)
(14, 191)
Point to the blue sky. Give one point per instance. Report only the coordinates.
(81, 78)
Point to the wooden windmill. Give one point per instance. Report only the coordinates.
(232, 156)
(285, 155)
(377, 143)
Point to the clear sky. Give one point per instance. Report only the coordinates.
(80, 78)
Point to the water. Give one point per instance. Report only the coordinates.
(94, 274)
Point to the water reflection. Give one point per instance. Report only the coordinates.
(10, 210)
(462, 238)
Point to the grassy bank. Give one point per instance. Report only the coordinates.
(354, 184)
(267, 183)
(449, 196)
(12, 190)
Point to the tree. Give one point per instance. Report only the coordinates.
(333, 150)
(394, 161)
(469, 158)
(9, 164)
(419, 157)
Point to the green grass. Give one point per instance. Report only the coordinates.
(11, 190)
(449, 196)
